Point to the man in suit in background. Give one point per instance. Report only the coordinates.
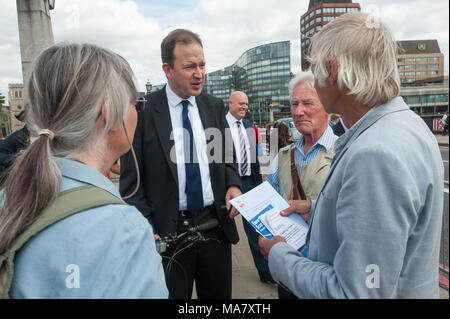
(181, 180)
(249, 170)
(339, 128)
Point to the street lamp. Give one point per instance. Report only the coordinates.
(148, 86)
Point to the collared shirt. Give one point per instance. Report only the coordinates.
(175, 109)
(324, 141)
(104, 252)
(232, 123)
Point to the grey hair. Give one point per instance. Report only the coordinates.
(366, 55)
(302, 77)
(68, 86)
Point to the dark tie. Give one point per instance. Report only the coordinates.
(193, 190)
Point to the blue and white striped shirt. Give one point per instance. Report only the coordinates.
(324, 141)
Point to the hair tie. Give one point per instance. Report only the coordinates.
(47, 133)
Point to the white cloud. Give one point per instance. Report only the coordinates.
(227, 28)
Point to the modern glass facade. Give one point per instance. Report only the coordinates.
(263, 73)
(319, 14)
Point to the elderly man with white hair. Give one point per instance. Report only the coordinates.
(314, 150)
(311, 155)
(375, 227)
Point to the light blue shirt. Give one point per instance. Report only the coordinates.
(325, 141)
(104, 252)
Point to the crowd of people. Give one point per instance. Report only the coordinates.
(367, 180)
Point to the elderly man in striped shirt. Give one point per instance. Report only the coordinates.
(313, 152)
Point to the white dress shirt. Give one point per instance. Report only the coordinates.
(237, 142)
(175, 109)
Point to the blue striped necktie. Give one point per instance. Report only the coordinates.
(244, 160)
(193, 188)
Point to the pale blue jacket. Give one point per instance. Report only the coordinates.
(375, 228)
(104, 252)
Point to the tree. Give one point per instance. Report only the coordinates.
(2, 101)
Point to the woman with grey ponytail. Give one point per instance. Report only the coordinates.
(82, 113)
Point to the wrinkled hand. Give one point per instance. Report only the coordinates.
(232, 192)
(265, 245)
(301, 207)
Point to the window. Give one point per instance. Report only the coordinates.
(440, 98)
(318, 20)
(318, 11)
(328, 10)
(414, 99)
(428, 99)
(340, 10)
(16, 94)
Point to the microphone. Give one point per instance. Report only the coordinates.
(210, 224)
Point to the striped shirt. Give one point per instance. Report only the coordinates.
(324, 141)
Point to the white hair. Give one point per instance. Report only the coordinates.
(302, 77)
(366, 55)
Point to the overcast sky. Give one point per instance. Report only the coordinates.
(228, 28)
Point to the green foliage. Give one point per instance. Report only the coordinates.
(2, 101)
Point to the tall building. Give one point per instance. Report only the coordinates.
(419, 60)
(319, 13)
(16, 104)
(263, 73)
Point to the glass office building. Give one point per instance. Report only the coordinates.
(263, 73)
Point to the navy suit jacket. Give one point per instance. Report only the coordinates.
(157, 196)
(254, 165)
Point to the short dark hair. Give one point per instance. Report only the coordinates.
(168, 43)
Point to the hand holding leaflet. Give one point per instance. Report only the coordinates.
(261, 207)
(293, 232)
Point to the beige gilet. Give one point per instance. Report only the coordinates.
(312, 174)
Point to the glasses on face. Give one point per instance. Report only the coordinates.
(139, 106)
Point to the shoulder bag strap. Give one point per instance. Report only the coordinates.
(298, 188)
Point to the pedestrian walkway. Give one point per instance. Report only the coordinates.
(246, 283)
(442, 139)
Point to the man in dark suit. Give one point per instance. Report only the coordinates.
(249, 169)
(183, 178)
(339, 128)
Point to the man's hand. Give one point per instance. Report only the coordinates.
(265, 245)
(301, 207)
(232, 192)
